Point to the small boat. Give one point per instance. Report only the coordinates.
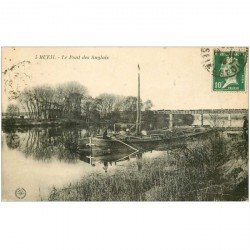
(98, 146)
(94, 158)
(104, 145)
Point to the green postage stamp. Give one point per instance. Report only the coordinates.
(229, 70)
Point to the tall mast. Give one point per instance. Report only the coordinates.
(138, 117)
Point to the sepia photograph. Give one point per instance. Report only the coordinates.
(124, 124)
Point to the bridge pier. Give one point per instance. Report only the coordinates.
(170, 121)
(229, 119)
(212, 116)
(201, 119)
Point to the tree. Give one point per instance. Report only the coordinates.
(88, 107)
(43, 102)
(71, 100)
(130, 103)
(106, 103)
(69, 95)
(12, 110)
(215, 120)
(148, 105)
(26, 99)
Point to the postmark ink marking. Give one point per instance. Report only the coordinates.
(20, 193)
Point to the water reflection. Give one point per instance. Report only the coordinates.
(64, 144)
(39, 159)
(12, 140)
(47, 143)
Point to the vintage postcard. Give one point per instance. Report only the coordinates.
(124, 123)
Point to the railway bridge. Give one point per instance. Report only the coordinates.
(204, 112)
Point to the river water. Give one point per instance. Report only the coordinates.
(39, 159)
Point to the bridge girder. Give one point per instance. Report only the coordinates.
(203, 111)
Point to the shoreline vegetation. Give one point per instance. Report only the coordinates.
(205, 170)
(68, 102)
(213, 170)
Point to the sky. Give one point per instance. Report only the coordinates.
(172, 77)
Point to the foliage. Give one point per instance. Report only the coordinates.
(147, 105)
(183, 119)
(71, 99)
(45, 102)
(190, 174)
(12, 110)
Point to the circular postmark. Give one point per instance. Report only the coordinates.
(230, 59)
(20, 193)
(15, 78)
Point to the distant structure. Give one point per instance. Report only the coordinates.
(202, 111)
(153, 119)
(213, 117)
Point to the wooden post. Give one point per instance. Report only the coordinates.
(202, 119)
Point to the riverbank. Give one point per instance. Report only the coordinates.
(216, 169)
(29, 123)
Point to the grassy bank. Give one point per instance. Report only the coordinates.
(215, 169)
